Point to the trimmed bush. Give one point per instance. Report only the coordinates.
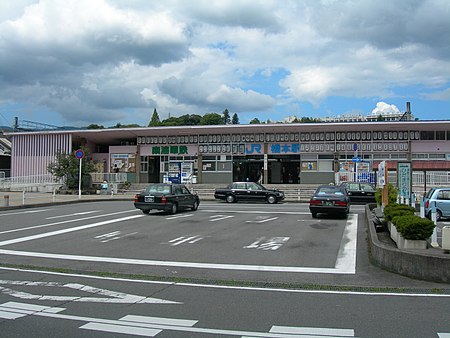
(393, 210)
(414, 227)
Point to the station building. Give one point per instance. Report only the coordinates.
(281, 153)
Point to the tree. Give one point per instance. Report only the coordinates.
(226, 117)
(235, 119)
(67, 166)
(171, 121)
(132, 125)
(154, 122)
(194, 119)
(211, 119)
(95, 126)
(255, 121)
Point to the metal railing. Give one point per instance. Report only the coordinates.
(298, 194)
(348, 176)
(110, 177)
(29, 182)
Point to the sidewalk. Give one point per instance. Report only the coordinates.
(19, 199)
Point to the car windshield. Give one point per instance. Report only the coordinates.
(367, 187)
(158, 189)
(353, 186)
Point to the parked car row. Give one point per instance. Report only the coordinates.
(327, 199)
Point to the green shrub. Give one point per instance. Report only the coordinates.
(393, 210)
(414, 227)
(392, 194)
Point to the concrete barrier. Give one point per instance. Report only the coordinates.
(429, 264)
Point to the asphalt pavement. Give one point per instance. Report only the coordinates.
(367, 275)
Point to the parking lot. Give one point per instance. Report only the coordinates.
(105, 236)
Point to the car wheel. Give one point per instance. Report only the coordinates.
(146, 211)
(195, 206)
(438, 215)
(314, 214)
(230, 198)
(174, 208)
(271, 199)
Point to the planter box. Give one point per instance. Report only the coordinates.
(394, 233)
(411, 244)
(405, 244)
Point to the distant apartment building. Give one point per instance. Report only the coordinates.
(374, 116)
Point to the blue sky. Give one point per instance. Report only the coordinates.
(78, 62)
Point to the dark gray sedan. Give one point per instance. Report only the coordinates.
(362, 192)
(248, 191)
(166, 197)
(329, 199)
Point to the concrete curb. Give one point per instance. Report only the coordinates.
(411, 263)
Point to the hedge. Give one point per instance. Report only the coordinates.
(414, 227)
(393, 210)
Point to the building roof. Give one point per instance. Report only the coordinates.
(114, 135)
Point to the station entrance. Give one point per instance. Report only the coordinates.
(248, 168)
(281, 170)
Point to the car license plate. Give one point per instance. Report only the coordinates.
(149, 198)
(327, 203)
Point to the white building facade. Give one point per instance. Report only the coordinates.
(276, 153)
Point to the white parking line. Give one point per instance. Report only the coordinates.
(179, 216)
(63, 231)
(63, 222)
(143, 262)
(25, 212)
(181, 240)
(219, 218)
(230, 287)
(258, 212)
(263, 221)
(75, 214)
(346, 259)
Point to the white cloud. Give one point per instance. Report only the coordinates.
(384, 108)
(111, 57)
(442, 95)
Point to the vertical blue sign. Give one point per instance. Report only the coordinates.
(404, 178)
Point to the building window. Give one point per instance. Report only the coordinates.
(436, 156)
(419, 156)
(440, 135)
(427, 135)
(144, 164)
(225, 166)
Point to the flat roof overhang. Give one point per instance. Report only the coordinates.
(115, 135)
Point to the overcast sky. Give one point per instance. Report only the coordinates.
(77, 62)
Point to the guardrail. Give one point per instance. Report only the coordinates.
(30, 183)
(110, 177)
